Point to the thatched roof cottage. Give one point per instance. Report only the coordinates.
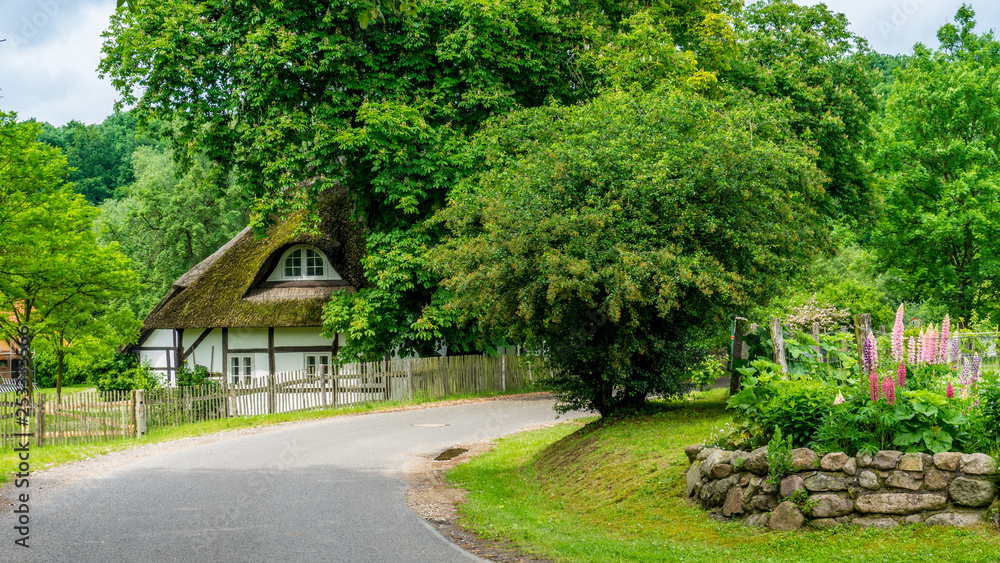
(252, 308)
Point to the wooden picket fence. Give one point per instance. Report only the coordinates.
(93, 416)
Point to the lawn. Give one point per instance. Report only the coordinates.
(615, 491)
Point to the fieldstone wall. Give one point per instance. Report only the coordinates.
(882, 491)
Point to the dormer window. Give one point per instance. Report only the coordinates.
(303, 262)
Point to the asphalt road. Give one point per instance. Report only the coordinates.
(329, 490)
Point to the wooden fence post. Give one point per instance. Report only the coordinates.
(322, 386)
(336, 384)
(778, 342)
(409, 378)
(140, 413)
(862, 326)
(270, 393)
(818, 348)
(40, 425)
(739, 352)
(503, 373)
(131, 414)
(444, 374)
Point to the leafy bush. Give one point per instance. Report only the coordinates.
(706, 372)
(187, 377)
(138, 377)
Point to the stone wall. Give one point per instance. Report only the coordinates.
(882, 491)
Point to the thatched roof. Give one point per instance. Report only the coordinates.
(229, 288)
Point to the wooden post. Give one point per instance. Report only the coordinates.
(862, 327)
(739, 352)
(336, 384)
(503, 373)
(409, 379)
(444, 374)
(40, 425)
(131, 414)
(778, 341)
(818, 348)
(140, 413)
(270, 394)
(322, 387)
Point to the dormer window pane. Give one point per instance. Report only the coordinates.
(314, 264)
(293, 264)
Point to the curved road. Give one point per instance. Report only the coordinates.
(329, 490)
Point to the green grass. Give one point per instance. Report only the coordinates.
(44, 457)
(615, 491)
(67, 389)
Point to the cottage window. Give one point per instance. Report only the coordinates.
(241, 367)
(303, 262)
(318, 364)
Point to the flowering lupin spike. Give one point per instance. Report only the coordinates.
(943, 345)
(920, 348)
(871, 353)
(897, 336)
(839, 399)
(954, 349)
(950, 391)
(928, 346)
(901, 375)
(975, 368)
(889, 390)
(873, 386)
(965, 371)
(913, 351)
(965, 391)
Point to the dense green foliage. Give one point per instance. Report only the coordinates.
(938, 156)
(56, 278)
(609, 234)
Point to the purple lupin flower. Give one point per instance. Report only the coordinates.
(897, 336)
(974, 377)
(901, 375)
(954, 349)
(869, 353)
(965, 371)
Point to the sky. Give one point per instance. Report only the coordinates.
(48, 63)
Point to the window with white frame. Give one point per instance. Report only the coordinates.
(241, 368)
(318, 364)
(303, 262)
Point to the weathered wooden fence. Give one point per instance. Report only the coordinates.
(92, 415)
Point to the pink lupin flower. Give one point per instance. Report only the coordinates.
(929, 348)
(873, 386)
(889, 390)
(901, 375)
(943, 344)
(950, 391)
(913, 350)
(897, 336)
(920, 347)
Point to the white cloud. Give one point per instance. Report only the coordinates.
(48, 63)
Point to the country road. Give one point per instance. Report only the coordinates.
(329, 490)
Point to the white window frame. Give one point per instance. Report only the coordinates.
(242, 365)
(318, 365)
(279, 273)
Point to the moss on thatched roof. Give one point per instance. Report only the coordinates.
(224, 290)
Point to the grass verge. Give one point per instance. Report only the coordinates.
(45, 457)
(615, 491)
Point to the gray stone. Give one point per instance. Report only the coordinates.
(863, 460)
(767, 487)
(764, 501)
(827, 482)
(851, 467)
(758, 519)
(705, 452)
(786, 517)
(693, 451)
(830, 506)
(744, 479)
(956, 518)
(722, 470)
(971, 492)
(739, 458)
(734, 502)
(868, 479)
(901, 480)
(936, 479)
(875, 522)
(912, 519)
(912, 462)
(756, 462)
(804, 459)
(714, 457)
(789, 485)
(824, 523)
(899, 503)
(887, 459)
(978, 464)
(694, 479)
(834, 461)
(714, 493)
(947, 461)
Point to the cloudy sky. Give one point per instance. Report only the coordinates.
(49, 59)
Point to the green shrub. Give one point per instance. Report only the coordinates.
(138, 377)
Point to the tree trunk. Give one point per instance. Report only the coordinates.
(59, 373)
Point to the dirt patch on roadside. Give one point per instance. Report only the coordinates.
(436, 501)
